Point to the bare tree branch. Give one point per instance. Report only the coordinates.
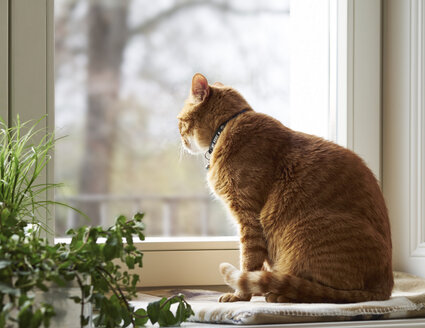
(222, 6)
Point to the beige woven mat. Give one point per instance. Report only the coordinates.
(407, 301)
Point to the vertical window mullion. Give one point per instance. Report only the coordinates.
(4, 59)
(31, 67)
(359, 79)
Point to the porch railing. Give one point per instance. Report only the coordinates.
(169, 204)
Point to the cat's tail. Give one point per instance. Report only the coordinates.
(289, 288)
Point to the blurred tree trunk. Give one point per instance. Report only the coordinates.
(107, 37)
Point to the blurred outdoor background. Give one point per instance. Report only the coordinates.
(122, 71)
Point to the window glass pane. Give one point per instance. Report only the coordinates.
(123, 70)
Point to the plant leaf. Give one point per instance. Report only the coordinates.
(141, 317)
(153, 311)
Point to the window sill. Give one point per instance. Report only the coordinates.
(178, 243)
(189, 243)
(183, 261)
(186, 261)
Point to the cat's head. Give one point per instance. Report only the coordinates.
(204, 110)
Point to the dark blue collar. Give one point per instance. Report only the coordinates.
(216, 135)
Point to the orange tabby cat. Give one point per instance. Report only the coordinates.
(313, 223)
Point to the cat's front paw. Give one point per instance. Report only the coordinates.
(234, 297)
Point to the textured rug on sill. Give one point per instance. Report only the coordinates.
(407, 301)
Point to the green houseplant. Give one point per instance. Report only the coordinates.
(28, 263)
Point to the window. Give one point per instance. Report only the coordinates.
(354, 97)
(123, 70)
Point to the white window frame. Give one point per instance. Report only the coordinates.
(4, 60)
(30, 49)
(359, 79)
(404, 126)
(195, 262)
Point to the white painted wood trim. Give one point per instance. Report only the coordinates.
(50, 101)
(183, 261)
(186, 261)
(344, 73)
(188, 243)
(403, 126)
(359, 79)
(31, 77)
(417, 126)
(28, 59)
(367, 82)
(185, 268)
(177, 243)
(4, 59)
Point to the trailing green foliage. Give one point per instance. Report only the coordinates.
(28, 262)
(96, 260)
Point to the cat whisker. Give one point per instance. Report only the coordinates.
(182, 152)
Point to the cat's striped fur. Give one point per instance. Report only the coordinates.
(313, 222)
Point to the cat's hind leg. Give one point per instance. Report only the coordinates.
(253, 252)
(229, 272)
(240, 282)
(237, 296)
(276, 298)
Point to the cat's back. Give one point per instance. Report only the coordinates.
(258, 140)
(335, 177)
(259, 153)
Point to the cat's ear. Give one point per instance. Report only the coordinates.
(200, 88)
(218, 84)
